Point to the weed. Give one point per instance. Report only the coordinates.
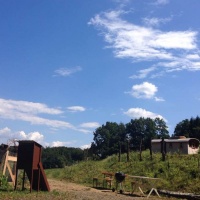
(4, 185)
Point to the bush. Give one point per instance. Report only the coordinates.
(4, 182)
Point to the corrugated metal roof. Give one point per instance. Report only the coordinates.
(174, 140)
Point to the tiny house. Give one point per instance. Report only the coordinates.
(180, 145)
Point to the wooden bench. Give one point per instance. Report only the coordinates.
(106, 181)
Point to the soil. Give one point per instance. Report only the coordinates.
(80, 192)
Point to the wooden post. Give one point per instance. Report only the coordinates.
(163, 149)
(119, 158)
(151, 152)
(141, 149)
(128, 150)
(6, 160)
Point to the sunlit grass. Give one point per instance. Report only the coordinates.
(24, 195)
(177, 172)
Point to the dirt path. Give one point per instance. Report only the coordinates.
(80, 192)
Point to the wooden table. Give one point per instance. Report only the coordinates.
(138, 184)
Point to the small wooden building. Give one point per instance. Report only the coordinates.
(180, 145)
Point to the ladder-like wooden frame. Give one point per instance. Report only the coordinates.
(7, 166)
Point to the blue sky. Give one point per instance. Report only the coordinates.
(69, 66)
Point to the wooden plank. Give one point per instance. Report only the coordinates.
(12, 158)
(6, 159)
(144, 177)
(10, 172)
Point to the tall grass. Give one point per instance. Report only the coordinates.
(176, 173)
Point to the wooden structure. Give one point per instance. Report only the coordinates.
(181, 145)
(106, 181)
(138, 183)
(11, 169)
(8, 160)
(29, 160)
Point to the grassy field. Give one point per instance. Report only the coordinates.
(24, 195)
(177, 172)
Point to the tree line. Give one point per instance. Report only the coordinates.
(59, 157)
(189, 128)
(113, 138)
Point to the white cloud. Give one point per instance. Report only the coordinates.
(133, 41)
(86, 146)
(154, 21)
(67, 71)
(29, 111)
(141, 43)
(161, 2)
(139, 112)
(193, 56)
(145, 90)
(76, 109)
(5, 132)
(143, 73)
(174, 40)
(159, 99)
(27, 107)
(36, 136)
(84, 131)
(90, 125)
(7, 135)
(61, 143)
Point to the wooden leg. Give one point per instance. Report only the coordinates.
(153, 189)
(141, 191)
(95, 182)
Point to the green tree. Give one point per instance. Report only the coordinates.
(59, 157)
(189, 128)
(142, 130)
(136, 129)
(161, 128)
(107, 139)
(195, 128)
(150, 132)
(183, 128)
(113, 138)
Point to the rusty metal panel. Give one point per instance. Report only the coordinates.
(36, 156)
